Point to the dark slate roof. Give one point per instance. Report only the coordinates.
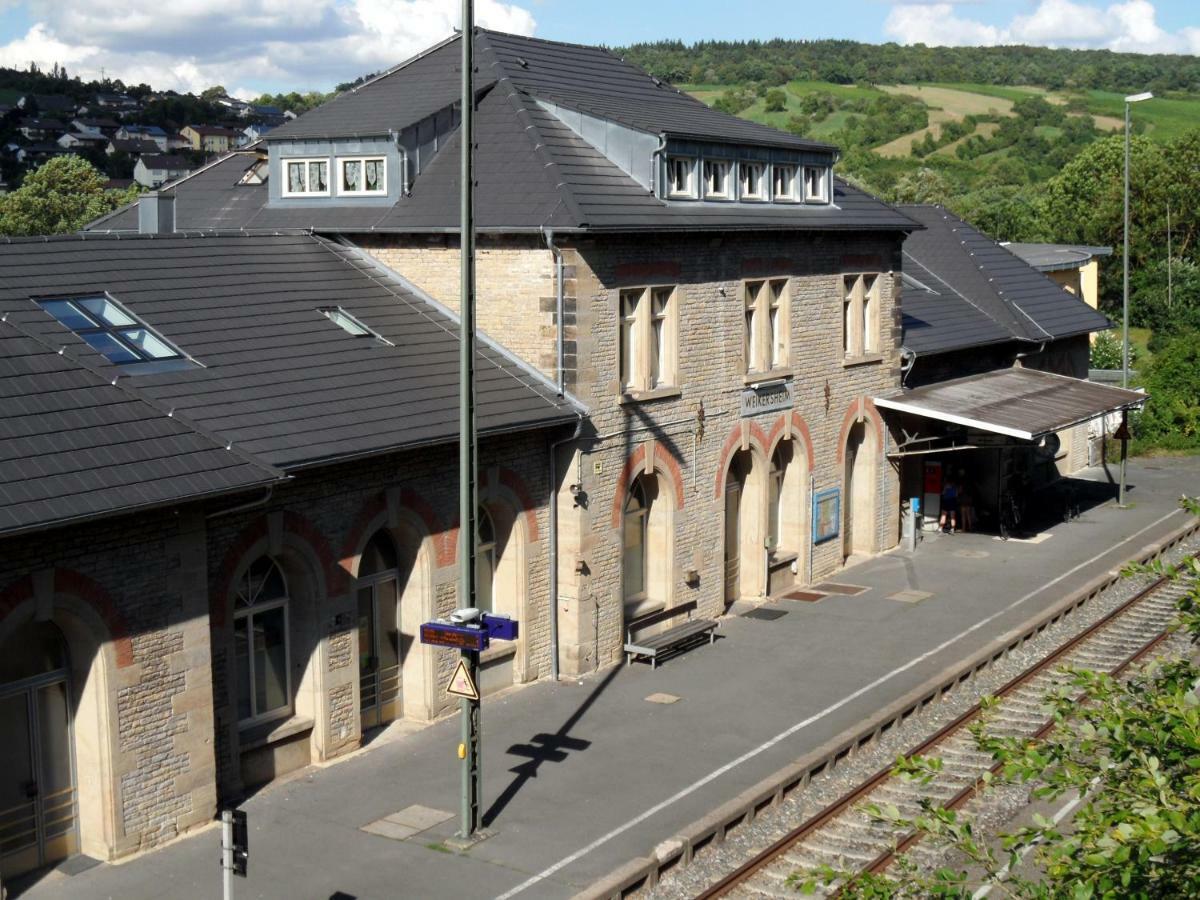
(278, 379)
(164, 161)
(533, 171)
(134, 146)
(75, 446)
(1018, 402)
(1054, 257)
(979, 292)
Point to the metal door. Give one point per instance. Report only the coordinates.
(378, 653)
(37, 775)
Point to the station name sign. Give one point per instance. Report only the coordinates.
(780, 395)
(460, 637)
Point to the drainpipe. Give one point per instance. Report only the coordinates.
(560, 377)
(656, 164)
(908, 359)
(242, 507)
(554, 445)
(1041, 347)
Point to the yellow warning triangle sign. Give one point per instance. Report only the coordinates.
(461, 684)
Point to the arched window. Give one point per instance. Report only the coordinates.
(635, 542)
(485, 561)
(261, 648)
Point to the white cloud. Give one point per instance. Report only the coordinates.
(278, 44)
(1130, 26)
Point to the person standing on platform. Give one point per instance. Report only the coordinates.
(949, 506)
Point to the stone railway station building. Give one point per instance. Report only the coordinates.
(229, 493)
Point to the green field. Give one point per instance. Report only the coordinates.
(1166, 118)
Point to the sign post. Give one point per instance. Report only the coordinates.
(235, 848)
(468, 749)
(470, 632)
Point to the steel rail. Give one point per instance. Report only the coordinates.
(748, 869)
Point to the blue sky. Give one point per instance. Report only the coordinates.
(255, 45)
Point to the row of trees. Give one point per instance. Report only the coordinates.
(850, 62)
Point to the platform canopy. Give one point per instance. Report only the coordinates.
(1019, 403)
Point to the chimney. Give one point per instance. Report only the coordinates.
(156, 213)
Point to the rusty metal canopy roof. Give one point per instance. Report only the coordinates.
(1020, 403)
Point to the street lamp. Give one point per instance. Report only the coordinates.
(1131, 99)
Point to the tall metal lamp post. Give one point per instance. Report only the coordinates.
(1130, 100)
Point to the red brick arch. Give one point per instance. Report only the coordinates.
(76, 584)
(851, 416)
(664, 462)
(375, 506)
(337, 580)
(798, 428)
(733, 443)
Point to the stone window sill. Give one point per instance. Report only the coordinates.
(660, 393)
(864, 360)
(772, 375)
(266, 733)
(499, 650)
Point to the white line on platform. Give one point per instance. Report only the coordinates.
(804, 723)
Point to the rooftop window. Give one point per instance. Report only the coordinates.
(363, 177)
(816, 184)
(753, 180)
(351, 325)
(783, 182)
(106, 326)
(306, 178)
(681, 176)
(716, 179)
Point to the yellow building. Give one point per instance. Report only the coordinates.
(1075, 267)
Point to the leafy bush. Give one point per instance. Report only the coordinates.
(776, 100)
(1106, 352)
(1171, 418)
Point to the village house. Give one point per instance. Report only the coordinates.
(132, 147)
(231, 501)
(156, 169)
(146, 133)
(1074, 266)
(209, 138)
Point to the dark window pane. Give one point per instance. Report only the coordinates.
(68, 314)
(241, 662)
(270, 661)
(113, 350)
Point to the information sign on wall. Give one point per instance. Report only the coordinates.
(827, 514)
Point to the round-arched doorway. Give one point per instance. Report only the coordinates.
(37, 769)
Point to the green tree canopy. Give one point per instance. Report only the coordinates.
(60, 197)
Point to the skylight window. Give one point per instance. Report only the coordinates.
(109, 328)
(351, 325)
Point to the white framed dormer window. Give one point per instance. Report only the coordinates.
(783, 182)
(752, 178)
(681, 176)
(362, 176)
(716, 179)
(816, 184)
(306, 177)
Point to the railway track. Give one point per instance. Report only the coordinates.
(843, 836)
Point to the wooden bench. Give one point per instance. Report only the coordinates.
(673, 638)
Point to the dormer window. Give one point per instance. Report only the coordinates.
(681, 176)
(816, 184)
(783, 182)
(716, 179)
(306, 178)
(362, 176)
(753, 178)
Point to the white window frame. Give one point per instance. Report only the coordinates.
(767, 341)
(860, 314)
(792, 195)
(822, 195)
(764, 180)
(690, 193)
(648, 345)
(711, 165)
(307, 160)
(362, 160)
